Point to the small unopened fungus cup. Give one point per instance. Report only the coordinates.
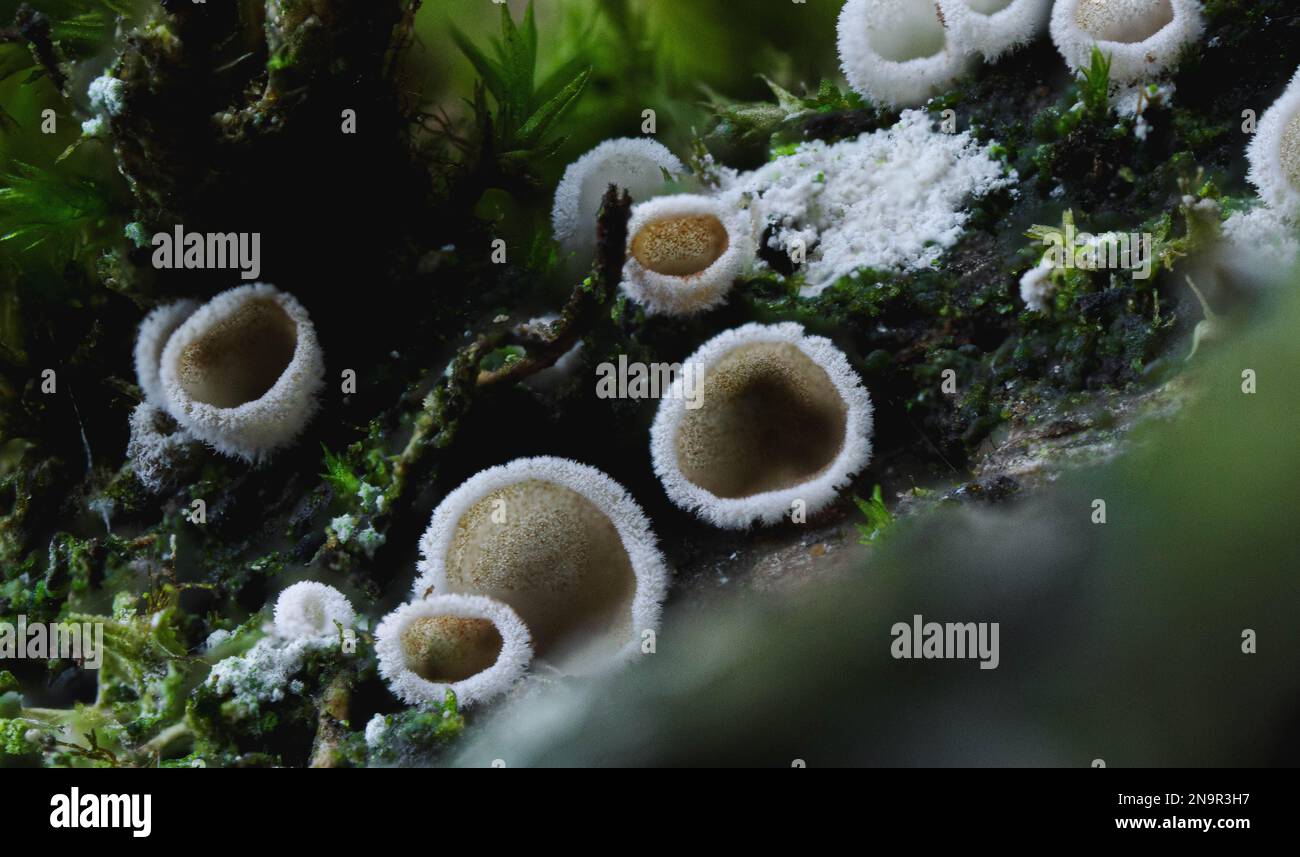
(472, 646)
(242, 374)
(638, 165)
(684, 254)
(1143, 38)
(897, 53)
(311, 610)
(779, 422)
(561, 543)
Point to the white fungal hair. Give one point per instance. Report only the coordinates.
(564, 545)
(309, 610)
(994, 27)
(150, 340)
(1260, 248)
(243, 373)
(157, 445)
(784, 418)
(475, 647)
(897, 52)
(1274, 154)
(636, 164)
(684, 253)
(1142, 37)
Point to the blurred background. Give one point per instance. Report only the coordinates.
(1120, 642)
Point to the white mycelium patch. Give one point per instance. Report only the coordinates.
(684, 254)
(1274, 154)
(1142, 37)
(1037, 286)
(994, 27)
(151, 339)
(897, 52)
(310, 610)
(635, 164)
(784, 420)
(475, 647)
(263, 673)
(893, 199)
(107, 95)
(562, 544)
(242, 374)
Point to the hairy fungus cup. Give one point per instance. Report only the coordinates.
(784, 420)
(242, 374)
(1274, 154)
(994, 27)
(635, 164)
(472, 646)
(1143, 38)
(150, 340)
(564, 545)
(684, 254)
(897, 52)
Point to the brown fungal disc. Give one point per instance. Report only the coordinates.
(680, 246)
(770, 419)
(448, 649)
(240, 357)
(554, 557)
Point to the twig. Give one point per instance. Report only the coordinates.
(331, 715)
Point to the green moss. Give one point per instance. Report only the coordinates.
(418, 732)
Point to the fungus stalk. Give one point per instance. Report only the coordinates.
(785, 423)
(562, 544)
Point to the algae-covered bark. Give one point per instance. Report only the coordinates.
(378, 196)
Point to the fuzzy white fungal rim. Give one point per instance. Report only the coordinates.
(684, 253)
(475, 647)
(784, 419)
(243, 372)
(309, 610)
(1274, 153)
(151, 339)
(994, 27)
(561, 543)
(897, 52)
(636, 164)
(1142, 37)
